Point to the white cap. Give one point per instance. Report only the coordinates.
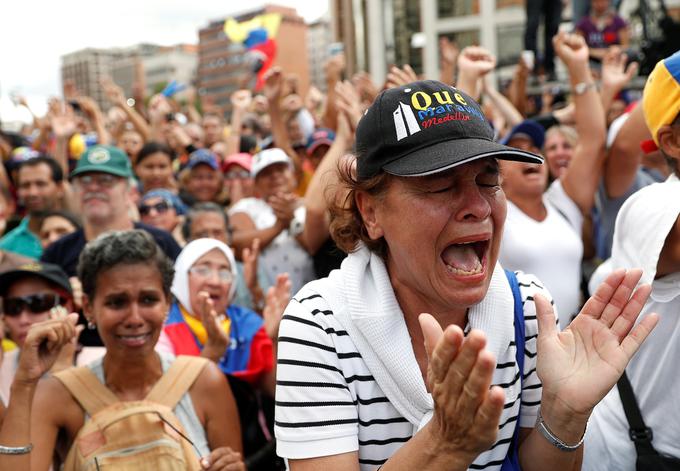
(268, 157)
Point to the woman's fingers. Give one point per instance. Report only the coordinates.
(476, 387)
(625, 321)
(621, 296)
(632, 341)
(603, 294)
(545, 316)
(460, 370)
(489, 412)
(441, 346)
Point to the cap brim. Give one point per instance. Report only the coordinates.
(8, 277)
(86, 169)
(449, 154)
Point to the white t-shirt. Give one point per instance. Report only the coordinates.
(284, 253)
(551, 249)
(642, 227)
(328, 402)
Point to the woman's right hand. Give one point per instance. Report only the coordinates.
(42, 347)
(218, 339)
(459, 374)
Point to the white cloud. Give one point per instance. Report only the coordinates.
(36, 33)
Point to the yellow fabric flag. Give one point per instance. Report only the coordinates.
(238, 32)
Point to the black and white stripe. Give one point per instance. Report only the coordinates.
(327, 401)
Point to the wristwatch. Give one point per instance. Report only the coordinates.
(582, 87)
(296, 227)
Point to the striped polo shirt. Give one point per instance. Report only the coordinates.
(327, 401)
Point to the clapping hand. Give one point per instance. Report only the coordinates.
(615, 74)
(580, 364)
(218, 339)
(397, 77)
(459, 373)
(278, 297)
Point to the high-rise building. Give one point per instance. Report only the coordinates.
(319, 39)
(222, 66)
(379, 33)
(170, 63)
(84, 68)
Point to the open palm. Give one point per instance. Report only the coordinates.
(583, 362)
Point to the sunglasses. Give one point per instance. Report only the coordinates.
(35, 303)
(160, 207)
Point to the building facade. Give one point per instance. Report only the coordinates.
(319, 40)
(223, 67)
(84, 68)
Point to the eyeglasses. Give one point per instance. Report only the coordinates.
(104, 180)
(160, 207)
(237, 175)
(224, 274)
(35, 303)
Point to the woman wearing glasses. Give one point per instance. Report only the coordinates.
(29, 293)
(203, 321)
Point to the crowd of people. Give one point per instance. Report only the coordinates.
(435, 274)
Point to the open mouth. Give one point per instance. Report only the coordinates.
(466, 258)
(531, 170)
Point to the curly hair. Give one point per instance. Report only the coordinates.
(347, 225)
(122, 248)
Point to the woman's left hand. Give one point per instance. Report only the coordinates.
(223, 459)
(579, 365)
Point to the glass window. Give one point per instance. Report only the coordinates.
(448, 8)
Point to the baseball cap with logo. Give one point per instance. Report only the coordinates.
(424, 128)
(104, 159)
(661, 96)
(268, 157)
(320, 137)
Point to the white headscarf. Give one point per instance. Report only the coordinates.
(186, 259)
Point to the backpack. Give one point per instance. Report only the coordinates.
(132, 435)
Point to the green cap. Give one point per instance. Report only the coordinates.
(104, 159)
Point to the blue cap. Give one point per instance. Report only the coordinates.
(203, 156)
(529, 128)
(167, 196)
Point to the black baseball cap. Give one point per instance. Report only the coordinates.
(47, 271)
(424, 128)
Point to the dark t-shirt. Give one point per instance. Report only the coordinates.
(66, 251)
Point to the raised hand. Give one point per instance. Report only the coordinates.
(278, 297)
(62, 120)
(250, 256)
(475, 61)
(365, 86)
(284, 205)
(571, 48)
(448, 51)
(223, 459)
(218, 339)
(42, 347)
(397, 77)
(579, 365)
(68, 351)
(113, 92)
(334, 68)
(348, 100)
(273, 84)
(241, 99)
(615, 74)
(159, 108)
(459, 374)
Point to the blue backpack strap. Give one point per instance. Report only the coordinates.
(511, 462)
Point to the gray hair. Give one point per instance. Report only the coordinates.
(205, 207)
(122, 248)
